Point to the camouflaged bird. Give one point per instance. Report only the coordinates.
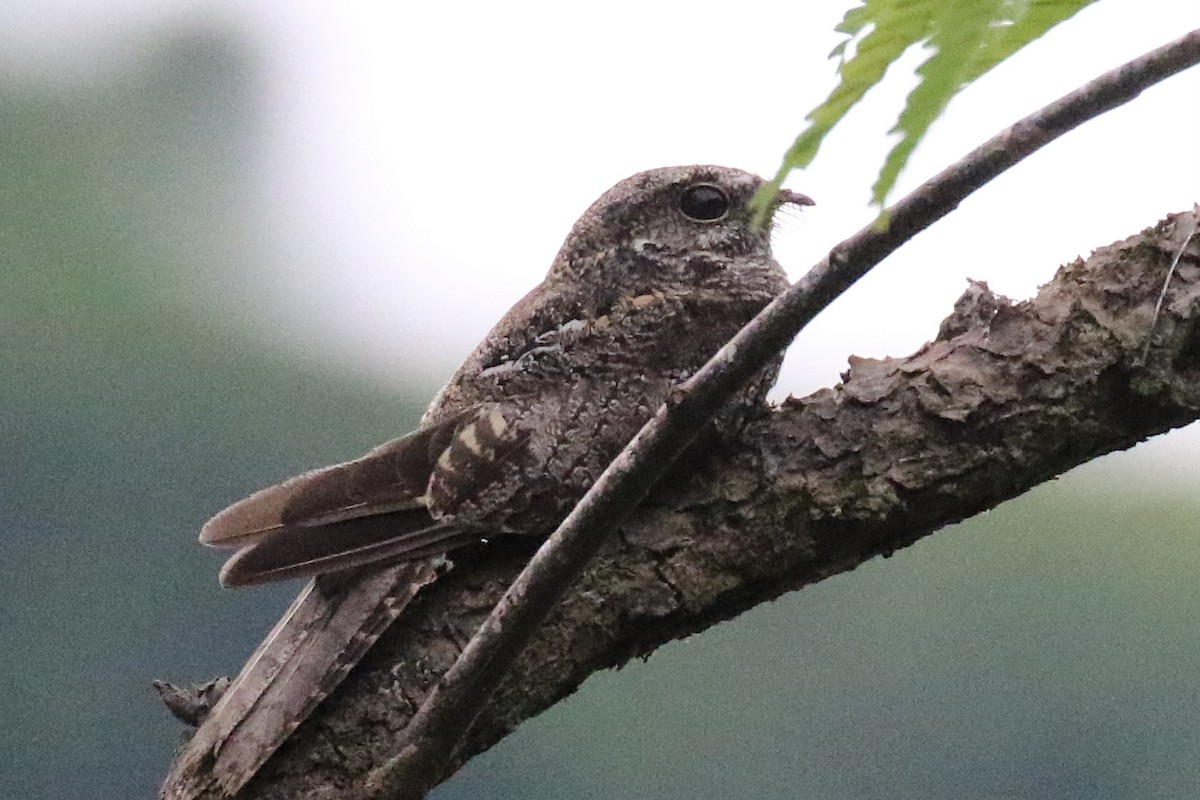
(653, 279)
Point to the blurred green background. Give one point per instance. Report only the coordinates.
(1046, 649)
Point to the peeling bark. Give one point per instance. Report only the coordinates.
(1008, 395)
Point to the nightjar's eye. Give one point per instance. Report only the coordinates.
(704, 202)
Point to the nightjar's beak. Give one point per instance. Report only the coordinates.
(795, 198)
(783, 198)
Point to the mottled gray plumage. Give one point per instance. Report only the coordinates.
(660, 272)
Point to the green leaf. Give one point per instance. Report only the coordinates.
(966, 38)
(956, 33)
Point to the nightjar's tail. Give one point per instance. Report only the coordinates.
(340, 523)
(324, 633)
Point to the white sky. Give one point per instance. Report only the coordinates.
(421, 163)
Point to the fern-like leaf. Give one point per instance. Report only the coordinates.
(966, 37)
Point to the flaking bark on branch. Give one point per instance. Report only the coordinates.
(1006, 397)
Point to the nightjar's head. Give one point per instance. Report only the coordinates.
(675, 227)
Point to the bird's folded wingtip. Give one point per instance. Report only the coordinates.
(247, 520)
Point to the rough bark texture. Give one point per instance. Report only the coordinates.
(1008, 396)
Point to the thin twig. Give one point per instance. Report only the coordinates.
(1187, 230)
(430, 739)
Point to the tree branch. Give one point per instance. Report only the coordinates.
(428, 743)
(1008, 396)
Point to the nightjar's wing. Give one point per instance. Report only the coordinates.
(374, 508)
